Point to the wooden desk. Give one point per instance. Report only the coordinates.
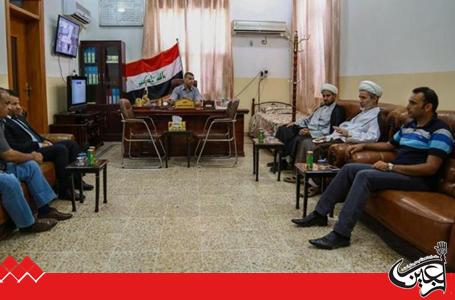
(195, 121)
(86, 127)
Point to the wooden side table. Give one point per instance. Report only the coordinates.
(100, 165)
(273, 144)
(188, 135)
(322, 171)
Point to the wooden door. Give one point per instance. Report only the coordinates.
(21, 84)
(26, 65)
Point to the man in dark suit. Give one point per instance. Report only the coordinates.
(22, 137)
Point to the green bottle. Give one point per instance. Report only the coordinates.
(90, 157)
(309, 160)
(261, 136)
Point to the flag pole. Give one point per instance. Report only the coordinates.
(180, 54)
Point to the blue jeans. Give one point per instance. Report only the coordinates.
(13, 197)
(354, 184)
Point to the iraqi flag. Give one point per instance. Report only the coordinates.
(154, 73)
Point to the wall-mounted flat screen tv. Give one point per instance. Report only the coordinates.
(66, 37)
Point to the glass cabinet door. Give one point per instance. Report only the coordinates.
(102, 62)
(112, 71)
(90, 56)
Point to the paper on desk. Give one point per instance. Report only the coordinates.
(176, 119)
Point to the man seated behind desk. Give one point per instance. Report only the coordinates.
(187, 90)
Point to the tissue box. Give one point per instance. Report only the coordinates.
(177, 126)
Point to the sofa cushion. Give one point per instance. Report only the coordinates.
(49, 173)
(447, 185)
(421, 218)
(351, 107)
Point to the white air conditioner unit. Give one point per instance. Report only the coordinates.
(75, 10)
(259, 27)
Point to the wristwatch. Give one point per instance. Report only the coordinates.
(390, 167)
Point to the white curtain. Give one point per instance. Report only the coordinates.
(202, 28)
(319, 61)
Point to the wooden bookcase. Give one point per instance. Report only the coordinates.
(103, 63)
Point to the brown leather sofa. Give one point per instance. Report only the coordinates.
(49, 173)
(420, 218)
(336, 155)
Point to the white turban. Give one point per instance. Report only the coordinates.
(370, 87)
(329, 87)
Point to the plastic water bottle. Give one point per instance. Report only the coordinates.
(261, 136)
(309, 160)
(94, 153)
(91, 157)
(81, 159)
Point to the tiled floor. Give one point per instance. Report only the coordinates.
(193, 220)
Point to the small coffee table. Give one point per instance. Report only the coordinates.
(322, 171)
(188, 135)
(273, 144)
(100, 165)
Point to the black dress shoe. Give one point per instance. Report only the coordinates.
(53, 213)
(40, 225)
(271, 164)
(284, 165)
(86, 186)
(313, 219)
(331, 241)
(69, 196)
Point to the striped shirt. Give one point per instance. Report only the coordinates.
(414, 144)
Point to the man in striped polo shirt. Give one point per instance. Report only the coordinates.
(422, 145)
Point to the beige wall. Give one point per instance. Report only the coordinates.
(398, 87)
(277, 89)
(56, 97)
(3, 80)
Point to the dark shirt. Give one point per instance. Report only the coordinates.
(4, 146)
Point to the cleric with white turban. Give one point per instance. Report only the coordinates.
(370, 87)
(330, 88)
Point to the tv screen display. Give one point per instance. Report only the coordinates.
(77, 91)
(66, 37)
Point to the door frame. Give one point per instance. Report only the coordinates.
(33, 15)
